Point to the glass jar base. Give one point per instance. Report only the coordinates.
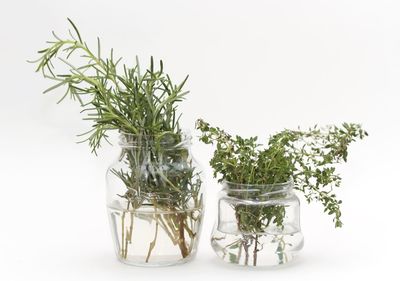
(257, 249)
(159, 261)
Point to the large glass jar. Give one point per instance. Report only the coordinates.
(155, 200)
(257, 225)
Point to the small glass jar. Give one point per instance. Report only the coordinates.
(257, 225)
(155, 200)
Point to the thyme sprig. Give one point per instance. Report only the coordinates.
(308, 157)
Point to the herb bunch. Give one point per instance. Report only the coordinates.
(156, 169)
(112, 95)
(307, 157)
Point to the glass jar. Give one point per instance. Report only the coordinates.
(258, 225)
(155, 200)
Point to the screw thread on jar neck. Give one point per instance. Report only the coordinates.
(250, 191)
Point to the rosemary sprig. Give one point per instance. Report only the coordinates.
(113, 95)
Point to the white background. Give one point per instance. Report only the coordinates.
(255, 67)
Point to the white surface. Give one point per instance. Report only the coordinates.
(256, 67)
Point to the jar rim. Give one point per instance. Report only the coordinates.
(266, 189)
(286, 183)
(174, 140)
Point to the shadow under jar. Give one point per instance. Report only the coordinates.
(155, 200)
(258, 225)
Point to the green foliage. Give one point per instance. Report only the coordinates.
(142, 106)
(112, 95)
(255, 219)
(307, 157)
(161, 172)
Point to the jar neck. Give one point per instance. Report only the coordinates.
(162, 141)
(258, 191)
